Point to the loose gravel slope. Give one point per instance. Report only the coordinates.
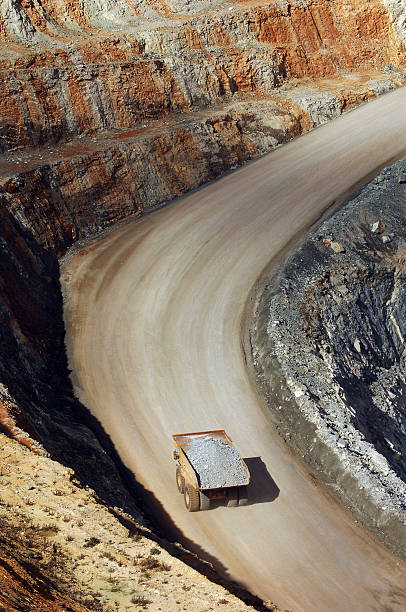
(154, 340)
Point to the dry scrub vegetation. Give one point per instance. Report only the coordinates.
(61, 549)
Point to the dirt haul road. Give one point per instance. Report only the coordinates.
(154, 339)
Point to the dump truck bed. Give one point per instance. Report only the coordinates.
(213, 459)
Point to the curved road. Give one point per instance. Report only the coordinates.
(154, 328)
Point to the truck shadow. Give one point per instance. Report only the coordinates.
(262, 488)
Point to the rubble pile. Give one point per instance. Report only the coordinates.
(217, 464)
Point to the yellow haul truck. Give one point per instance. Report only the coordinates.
(209, 467)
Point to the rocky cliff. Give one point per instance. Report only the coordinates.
(109, 109)
(330, 354)
(77, 67)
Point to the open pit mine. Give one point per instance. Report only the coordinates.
(267, 299)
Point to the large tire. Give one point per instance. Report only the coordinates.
(242, 496)
(180, 481)
(192, 501)
(232, 500)
(204, 501)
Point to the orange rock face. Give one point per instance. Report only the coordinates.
(326, 37)
(70, 70)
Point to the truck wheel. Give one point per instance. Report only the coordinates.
(204, 501)
(180, 481)
(192, 501)
(242, 496)
(232, 501)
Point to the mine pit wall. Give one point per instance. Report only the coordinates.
(328, 354)
(81, 195)
(37, 406)
(66, 72)
(90, 79)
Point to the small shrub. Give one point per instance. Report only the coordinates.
(135, 534)
(90, 542)
(88, 602)
(34, 554)
(149, 563)
(165, 566)
(140, 600)
(108, 555)
(155, 551)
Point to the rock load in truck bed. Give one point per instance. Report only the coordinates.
(216, 463)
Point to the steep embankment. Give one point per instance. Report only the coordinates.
(329, 354)
(109, 109)
(71, 554)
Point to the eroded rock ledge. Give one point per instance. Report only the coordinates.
(329, 353)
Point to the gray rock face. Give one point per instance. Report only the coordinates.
(330, 352)
(380, 86)
(397, 14)
(17, 21)
(321, 106)
(216, 463)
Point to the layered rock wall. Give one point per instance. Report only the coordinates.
(69, 69)
(89, 189)
(36, 403)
